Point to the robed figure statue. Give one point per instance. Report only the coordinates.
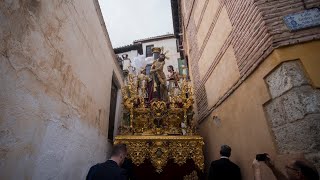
(143, 80)
(173, 79)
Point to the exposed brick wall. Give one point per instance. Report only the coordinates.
(201, 97)
(202, 11)
(188, 5)
(272, 13)
(257, 29)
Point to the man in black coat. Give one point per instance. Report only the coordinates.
(224, 168)
(110, 169)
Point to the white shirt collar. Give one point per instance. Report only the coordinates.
(224, 157)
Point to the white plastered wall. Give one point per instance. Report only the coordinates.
(169, 45)
(56, 66)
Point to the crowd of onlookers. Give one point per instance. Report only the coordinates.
(296, 169)
(221, 169)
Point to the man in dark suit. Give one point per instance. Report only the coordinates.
(224, 168)
(111, 168)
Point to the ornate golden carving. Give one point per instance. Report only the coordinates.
(159, 154)
(144, 137)
(181, 151)
(173, 122)
(161, 148)
(142, 121)
(197, 154)
(158, 117)
(192, 176)
(139, 153)
(154, 130)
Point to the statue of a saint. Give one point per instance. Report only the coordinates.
(143, 79)
(158, 86)
(173, 79)
(126, 62)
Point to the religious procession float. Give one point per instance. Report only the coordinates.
(158, 126)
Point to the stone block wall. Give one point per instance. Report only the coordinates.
(294, 111)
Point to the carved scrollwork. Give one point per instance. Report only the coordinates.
(138, 151)
(197, 154)
(173, 121)
(180, 151)
(161, 148)
(142, 120)
(158, 109)
(191, 176)
(153, 128)
(157, 117)
(159, 154)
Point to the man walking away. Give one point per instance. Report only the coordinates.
(223, 168)
(111, 168)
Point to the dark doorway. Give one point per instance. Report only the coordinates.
(113, 107)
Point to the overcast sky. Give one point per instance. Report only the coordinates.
(129, 20)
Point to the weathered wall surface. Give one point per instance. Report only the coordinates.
(253, 29)
(240, 122)
(232, 55)
(224, 77)
(275, 110)
(56, 66)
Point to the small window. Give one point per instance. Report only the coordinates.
(149, 50)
